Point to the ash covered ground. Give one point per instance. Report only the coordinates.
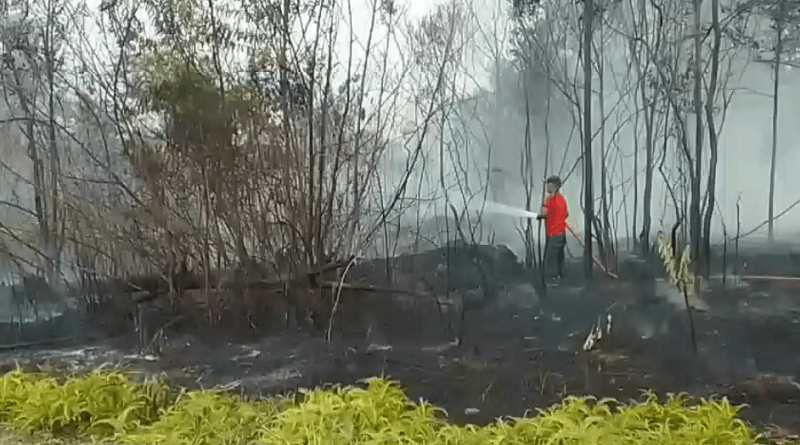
(520, 348)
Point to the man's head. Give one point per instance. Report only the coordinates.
(553, 184)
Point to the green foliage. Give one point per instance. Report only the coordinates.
(587, 421)
(381, 413)
(208, 417)
(112, 407)
(163, 72)
(97, 404)
(196, 98)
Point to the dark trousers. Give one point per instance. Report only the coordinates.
(554, 255)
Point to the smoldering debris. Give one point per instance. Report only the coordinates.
(74, 360)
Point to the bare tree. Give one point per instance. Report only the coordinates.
(778, 47)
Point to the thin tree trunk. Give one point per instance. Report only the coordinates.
(33, 153)
(323, 157)
(773, 158)
(527, 179)
(284, 64)
(712, 139)
(635, 171)
(547, 170)
(604, 194)
(588, 216)
(694, 207)
(649, 117)
(647, 199)
(51, 238)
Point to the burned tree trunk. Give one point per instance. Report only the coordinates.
(776, 72)
(695, 227)
(588, 192)
(712, 139)
(649, 106)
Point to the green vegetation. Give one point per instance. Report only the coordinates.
(99, 404)
(110, 407)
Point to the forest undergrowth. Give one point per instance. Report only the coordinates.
(127, 408)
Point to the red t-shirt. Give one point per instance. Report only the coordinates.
(556, 212)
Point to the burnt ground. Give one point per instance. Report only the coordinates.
(520, 350)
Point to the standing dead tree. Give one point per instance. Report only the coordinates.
(551, 36)
(692, 81)
(776, 45)
(34, 44)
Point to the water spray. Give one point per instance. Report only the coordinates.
(494, 207)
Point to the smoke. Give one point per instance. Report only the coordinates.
(496, 119)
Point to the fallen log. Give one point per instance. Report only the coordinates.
(368, 288)
(760, 277)
(309, 278)
(147, 288)
(35, 344)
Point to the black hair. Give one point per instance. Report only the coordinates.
(554, 180)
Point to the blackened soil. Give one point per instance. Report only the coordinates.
(520, 351)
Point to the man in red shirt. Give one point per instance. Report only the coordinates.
(555, 213)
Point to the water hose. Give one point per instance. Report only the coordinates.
(596, 261)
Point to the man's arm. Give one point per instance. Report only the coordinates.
(543, 214)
